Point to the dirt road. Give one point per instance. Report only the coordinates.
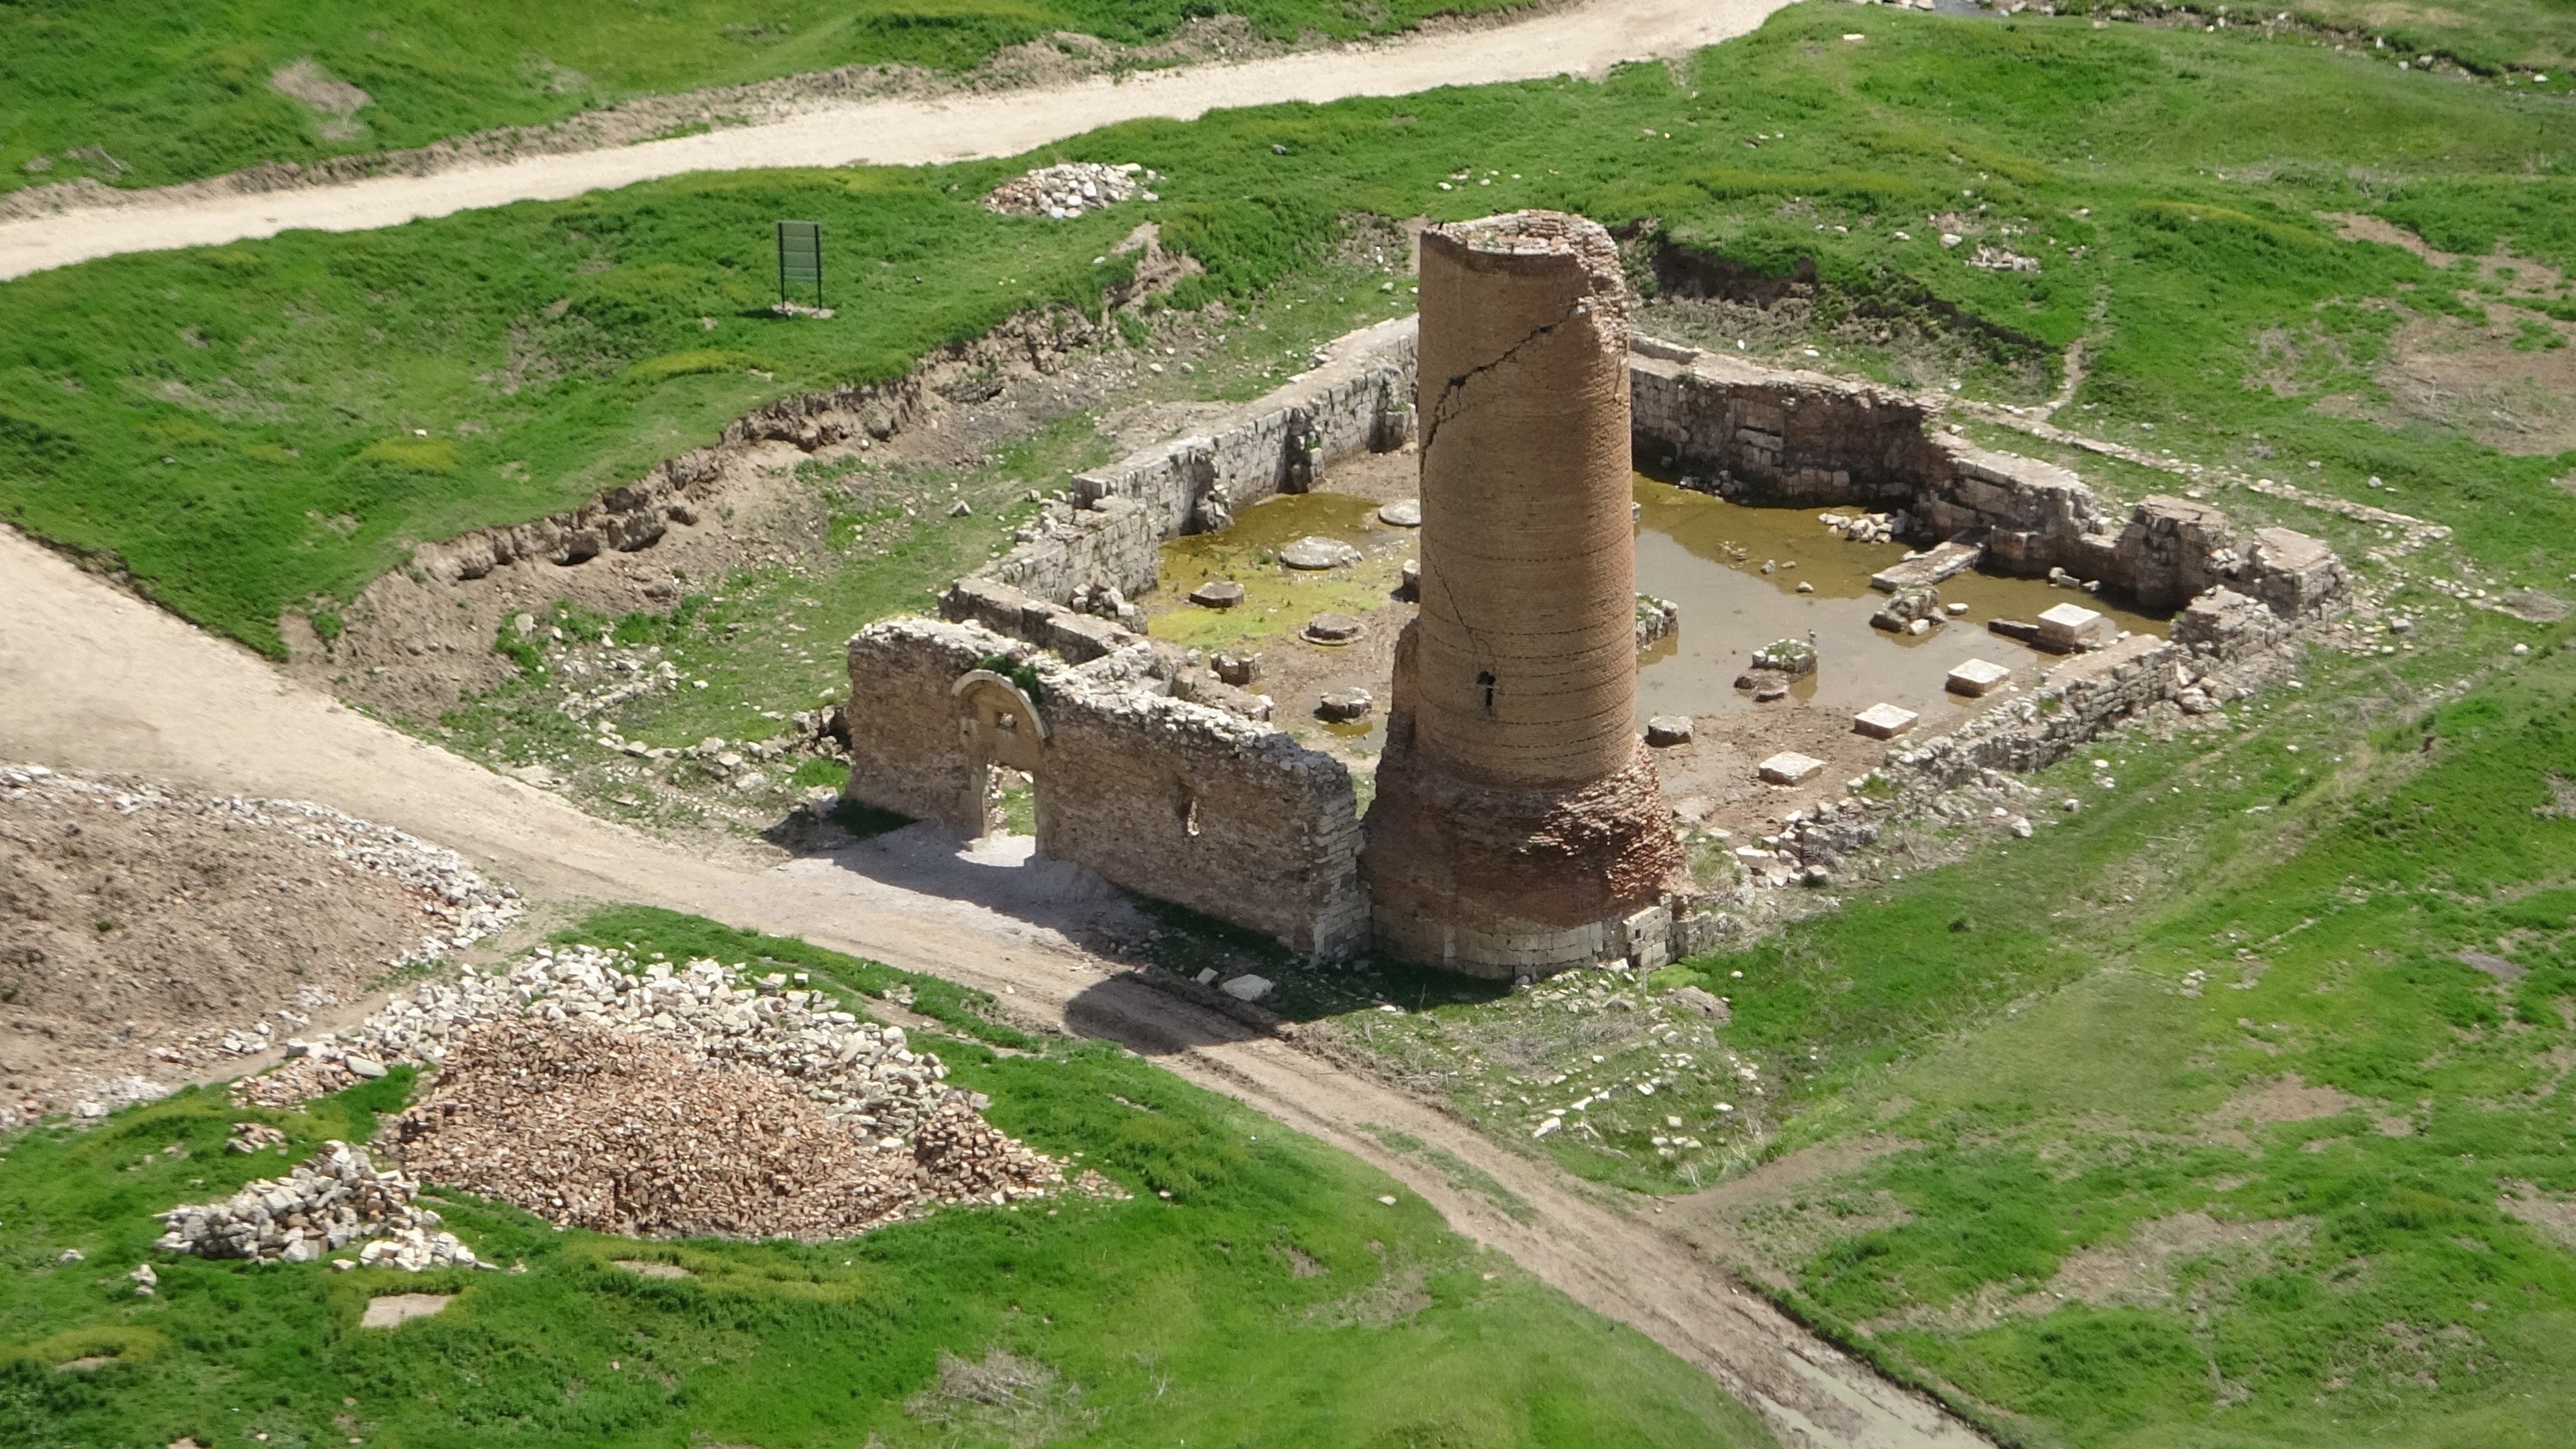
(1584, 40)
(93, 678)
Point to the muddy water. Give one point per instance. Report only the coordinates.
(1703, 553)
(1708, 556)
(1278, 600)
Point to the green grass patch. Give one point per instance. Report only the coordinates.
(2166, 181)
(1253, 1289)
(158, 92)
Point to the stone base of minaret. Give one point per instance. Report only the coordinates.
(1510, 882)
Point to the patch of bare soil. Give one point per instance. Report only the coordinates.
(2554, 1213)
(1771, 1220)
(2280, 1099)
(2146, 1270)
(148, 936)
(337, 100)
(2506, 384)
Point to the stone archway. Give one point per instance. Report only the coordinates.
(997, 724)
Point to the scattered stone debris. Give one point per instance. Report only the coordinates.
(335, 1198)
(1060, 193)
(1996, 259)
(180, 930)
(630, 1097)
(249, 1137)
(592, 1128)
(1665, 730)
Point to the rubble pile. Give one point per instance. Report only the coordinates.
(1062, 192)
(335, 1198)
(855, 1072)
(652, 1100)
(591, 1129)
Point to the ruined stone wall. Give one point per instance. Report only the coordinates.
(905, 750)
(1791, 438)
(1109, 532)
(2223, 644)
(1172, 798)
(1192, 805)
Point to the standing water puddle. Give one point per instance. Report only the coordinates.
(1703, 553)
(1707, 555)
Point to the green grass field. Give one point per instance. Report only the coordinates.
(1270, 1300)
(242, 426)
(2380, 1260)
(152, 93)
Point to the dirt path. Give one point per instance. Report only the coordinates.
(90, 677)
(1585, 40)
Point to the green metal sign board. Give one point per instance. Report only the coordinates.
(800, 257)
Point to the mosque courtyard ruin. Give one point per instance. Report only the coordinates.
(1522, 815)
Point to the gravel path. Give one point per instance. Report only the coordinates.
(93, 678)
(1583, 40)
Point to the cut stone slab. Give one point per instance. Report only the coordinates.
(1235, 669)
(1943, 561)
(1247, 987)
(1791, 768)
(1977, 678)
(394, 1308)
(1315, 551)
(1403, 513)
(1884, 721)
(1332, 628)
(1669, 729)
(1217, 594)
(2072, 626)
(1345, 704)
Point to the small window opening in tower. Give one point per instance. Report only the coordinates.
(1485, 677)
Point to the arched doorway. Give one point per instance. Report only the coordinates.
(998, 725)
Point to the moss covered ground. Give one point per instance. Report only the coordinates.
(1253, 1290)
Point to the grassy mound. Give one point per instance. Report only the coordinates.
(1254, 1290)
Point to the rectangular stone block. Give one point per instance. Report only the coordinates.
(1791, 768)
(1977, 678)
(1884, 721)
(2070, 627)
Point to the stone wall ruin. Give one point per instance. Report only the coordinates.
(1170, 784)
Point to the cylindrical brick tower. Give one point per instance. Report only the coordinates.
(1517, 824)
